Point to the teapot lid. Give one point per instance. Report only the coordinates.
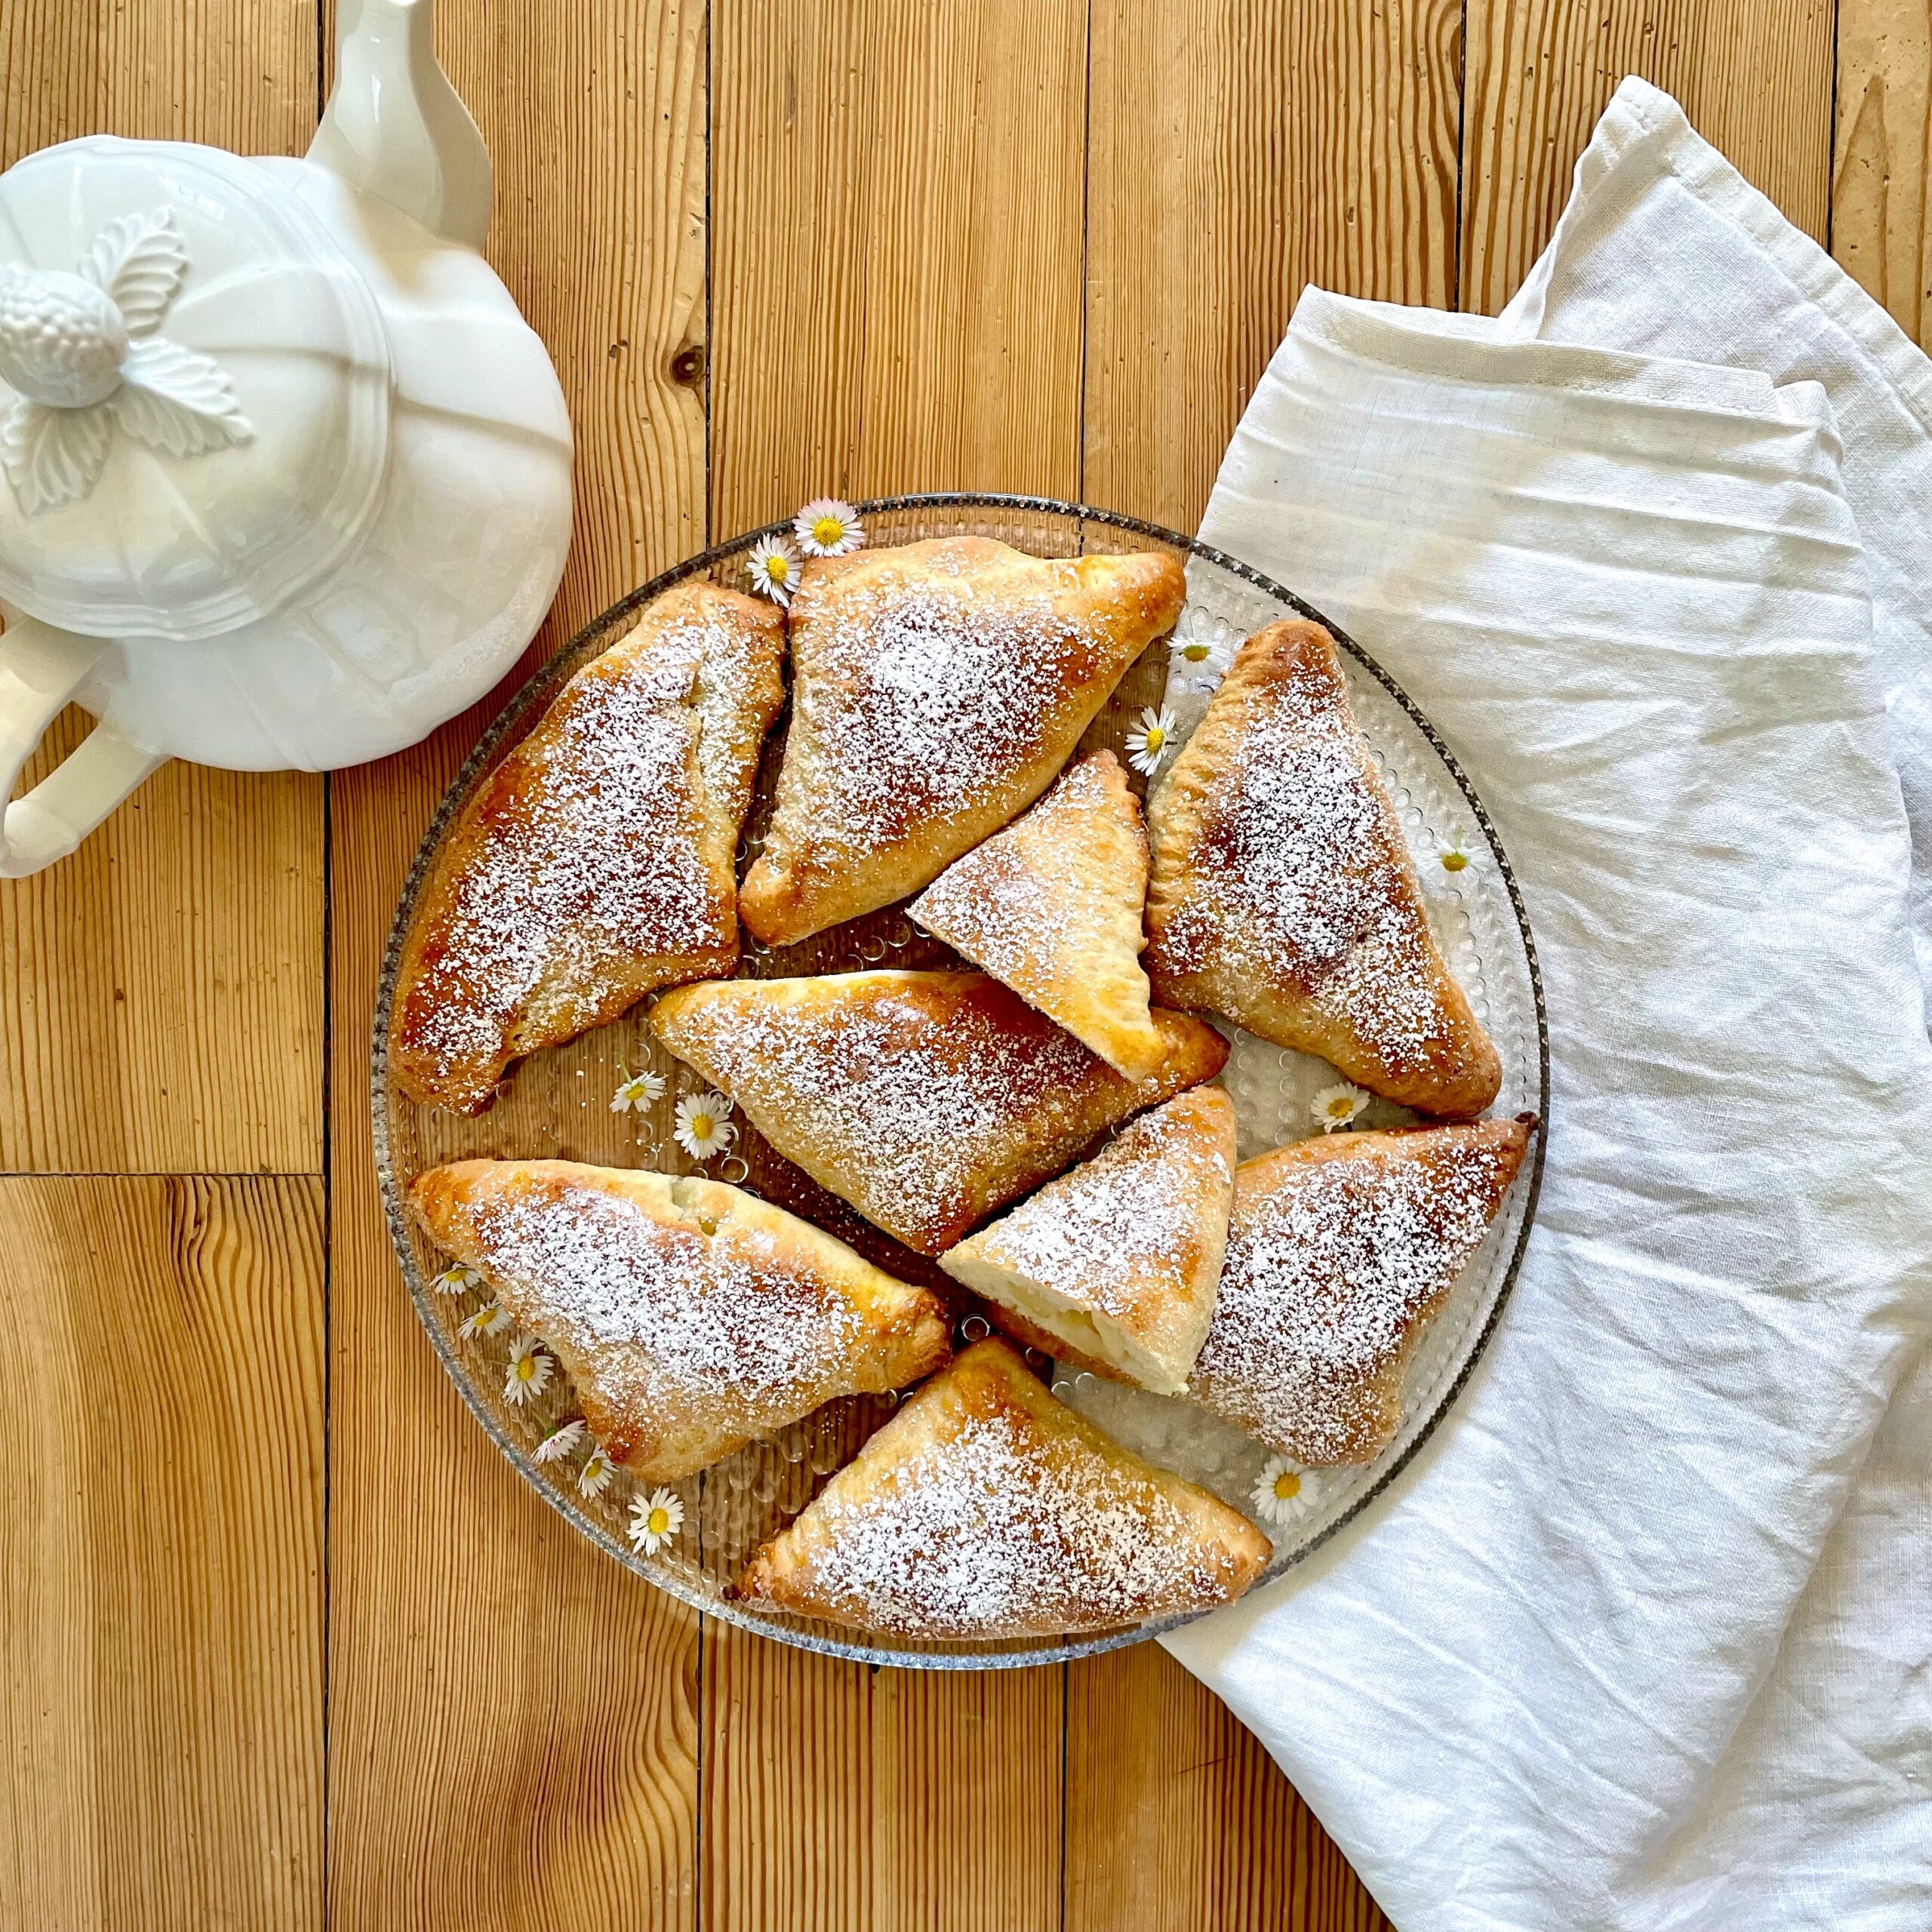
(194, 390)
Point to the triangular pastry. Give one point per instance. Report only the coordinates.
(1339, 1252)
(986, 1509)
(1117, 1262)
(1052, 905)
(692, 1317)
(927, 1100)
(596, 863)
(936, 689)
(1283, 896)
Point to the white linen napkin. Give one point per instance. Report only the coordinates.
(1633, 1643)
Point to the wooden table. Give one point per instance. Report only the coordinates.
(284, 1638)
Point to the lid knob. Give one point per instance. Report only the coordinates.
(62, 339)
(84, 355)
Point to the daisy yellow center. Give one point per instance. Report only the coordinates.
(526, 1368)
(1454, 862)
(1194, 652)
(701, 1127)
(828, 530)
(594, 1468)
(1156, 737)
(778, 568)
(658, 1523)
(1287, 1486)
(1340, 1107)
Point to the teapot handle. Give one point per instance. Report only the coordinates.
(396, 129)
(41, 668)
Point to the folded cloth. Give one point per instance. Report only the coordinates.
(1630, 1644)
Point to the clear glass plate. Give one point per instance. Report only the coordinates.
(556, 1105)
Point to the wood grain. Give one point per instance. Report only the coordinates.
(513, 1718)
(1754, 76)
(1882, 189)
(1176, 1818)
(161, 1580)
(897, 210)
(898, 205)
(164, 1004)
(1241, 149)
(858, 1800)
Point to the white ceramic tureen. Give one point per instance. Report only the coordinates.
(287, 477)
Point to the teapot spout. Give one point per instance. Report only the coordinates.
(395, 127)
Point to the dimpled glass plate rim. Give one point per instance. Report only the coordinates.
(1013, 517)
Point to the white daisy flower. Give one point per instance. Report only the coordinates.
(484, 1321)
(1337, 1106)
(1453, 857)
(596, 1477)
(703, 1128)
(558, 1440)
(773, 567)
(1200, 651)
(655, 1520)
(530, 1371)
(829, 526)
(1284, 1491)
(1147, 744)
(456, 1279)
(637, 1093)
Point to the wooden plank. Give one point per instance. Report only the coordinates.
(164, 1005)
(1754, 76)
(1881, 191)
(513, 1720)
(839, 1796)
(1241, 149)
(1239, 152)
(897, 210)
(896, 256)
(161, 1580)
(1176, 1818)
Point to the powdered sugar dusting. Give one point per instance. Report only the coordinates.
(997, 1530)
(932, 693)
(1330, 1264)
(1120, 1230)
(597, 854)
(1012, 913)
(1300, 875)
(663, 1315)
(917, 1087)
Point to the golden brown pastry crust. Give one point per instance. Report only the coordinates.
(595, 863)
(936, 689)
(1120, 1258)
(692, 1317)
(927, 1100)
(1282, 895)
(985, 1509)
(1052, 906)
(1339, 1252)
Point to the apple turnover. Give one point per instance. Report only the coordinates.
(1339, 1252)
(928, 1100)
(692, 1317)
(596, 863)
(1052, 906)
(1282, 895)
(936, 689)
(1116, 1263)
(986, 1509)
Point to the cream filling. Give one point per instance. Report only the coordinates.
(1088, 1331)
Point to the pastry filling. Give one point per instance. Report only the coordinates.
(1087, 1332)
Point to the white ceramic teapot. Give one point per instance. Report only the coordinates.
(287, 477)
